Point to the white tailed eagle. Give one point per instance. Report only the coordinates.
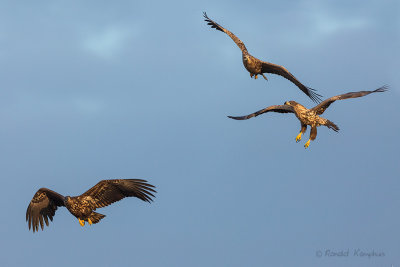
(45, 201)
(310, 116)
(256, 66)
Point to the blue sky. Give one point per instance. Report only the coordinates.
(101, 90)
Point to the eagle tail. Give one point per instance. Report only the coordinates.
(96, 217)
(331, 125)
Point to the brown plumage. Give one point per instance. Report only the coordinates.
(256, 66)
(310, 116)
(45, 201)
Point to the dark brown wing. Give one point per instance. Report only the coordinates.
(42, 207)
(107, 192)
(320, 108)
(275, 108)
(282, 71)
(222, 29)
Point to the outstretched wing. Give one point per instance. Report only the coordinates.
(320, 108)
(275, 108)
(282, 71)
(222, 29)
(107, 192)
(43, 206)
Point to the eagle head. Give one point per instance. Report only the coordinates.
(290, 103)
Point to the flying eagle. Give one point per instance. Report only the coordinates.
(256, 66)
(45, 202)
(310, 116)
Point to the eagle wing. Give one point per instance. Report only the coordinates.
(275, 108)
(43, 206)
(222, 29)
(107, 192)
(282, 71)
(321, 107)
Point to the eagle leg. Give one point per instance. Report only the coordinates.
(81, 222)
(255, 76)
(298, 137)
(313, 135)
(302, 130)
(307, 144)
(251, 75)
(264, 76)
(89, 221)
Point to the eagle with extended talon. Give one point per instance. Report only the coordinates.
(256, 66)
(45, 202)
(310, 116)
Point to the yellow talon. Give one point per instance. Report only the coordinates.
(255, 77)
(89, 221)
(298, 137)
(307, 144)
(81, 222)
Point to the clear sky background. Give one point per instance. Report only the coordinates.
(122, 89)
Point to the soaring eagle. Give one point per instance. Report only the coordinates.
(256, 66)
(45, 202)
(310, 116)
